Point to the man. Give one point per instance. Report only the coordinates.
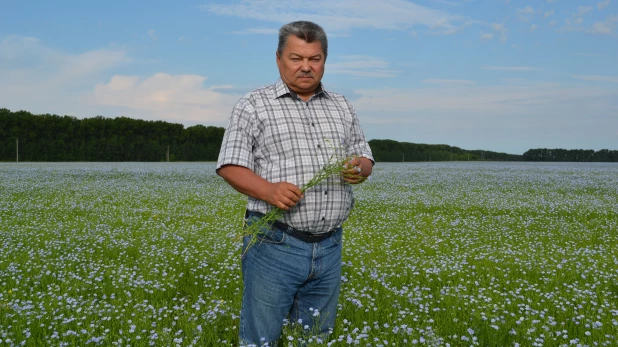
(278, 138)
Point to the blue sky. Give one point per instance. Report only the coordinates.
(494, 75)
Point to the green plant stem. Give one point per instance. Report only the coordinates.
(334, 166)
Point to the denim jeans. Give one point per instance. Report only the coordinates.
(285, 277)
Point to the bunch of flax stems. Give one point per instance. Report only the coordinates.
(334, 167)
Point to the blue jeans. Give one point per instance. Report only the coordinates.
(285, 277)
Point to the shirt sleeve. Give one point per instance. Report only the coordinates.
(357, 145)
(237, 145)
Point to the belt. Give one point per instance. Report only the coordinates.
(299, 234)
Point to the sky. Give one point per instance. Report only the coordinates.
(503, 75)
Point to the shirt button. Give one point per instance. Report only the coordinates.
(313, 125)
(319, 146)
(323, 218)
(326, 192)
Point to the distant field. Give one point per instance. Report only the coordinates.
(439, 254)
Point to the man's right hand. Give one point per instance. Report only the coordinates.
(283, 195)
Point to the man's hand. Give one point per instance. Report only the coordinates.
(283, 195)
(356, 170)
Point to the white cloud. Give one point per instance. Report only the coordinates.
(549, 13)
(344, 14)
(449, 3)
(152, 34)
(510, 68)
(361, 66)
(500, 29)
(533, 27)
(487, 36)
(442, 29)
(590, 54)
(444, 82)
(597, 78)
(182, 98)
(526, 10)
(605, 27)
(514, 117)
(40, 79)
(472, 99)
(29, 56)
(603, 4)
(524, 14)
(582, 10)
(600, 27)
(261, 31)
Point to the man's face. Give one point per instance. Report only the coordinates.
(301, 65)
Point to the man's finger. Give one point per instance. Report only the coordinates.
(293, 197)
(282, 206)
(294, 189)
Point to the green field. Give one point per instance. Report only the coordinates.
(438, 254)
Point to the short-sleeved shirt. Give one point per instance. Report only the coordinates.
(282, 138)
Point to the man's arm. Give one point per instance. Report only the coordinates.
(283, 195)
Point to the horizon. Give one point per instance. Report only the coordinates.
(504, 76)
(206, 125)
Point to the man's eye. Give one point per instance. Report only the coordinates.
(295, 59)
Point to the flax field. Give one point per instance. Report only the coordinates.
(435, 254)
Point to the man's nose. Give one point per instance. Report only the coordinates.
(305, 65)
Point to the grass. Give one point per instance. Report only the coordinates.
(436, 254)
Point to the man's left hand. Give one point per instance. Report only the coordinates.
(355, 171)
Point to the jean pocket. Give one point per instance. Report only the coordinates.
(337, 236)
(266, 234)
(273, 235)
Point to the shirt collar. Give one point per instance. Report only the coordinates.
(282, 89)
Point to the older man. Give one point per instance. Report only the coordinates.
(278, 138)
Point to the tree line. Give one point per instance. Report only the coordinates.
(559, 154)
(50, 137)
(390, 150)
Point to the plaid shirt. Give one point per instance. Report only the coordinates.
(282, 138)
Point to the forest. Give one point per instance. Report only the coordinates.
(65, 138)
(390, 150)
(52, 138)
(545, 154)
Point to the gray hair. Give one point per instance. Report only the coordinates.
(307, 31)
